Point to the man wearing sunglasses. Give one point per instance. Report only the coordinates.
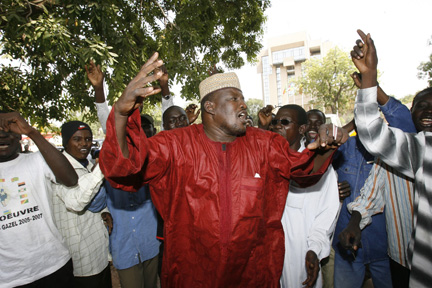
(309, 213)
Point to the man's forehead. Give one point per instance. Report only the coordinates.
(315, 114)
(228, 92)
(82, 133)
(287, 112)
(175, 112)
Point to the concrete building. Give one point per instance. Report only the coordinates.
(281, 62)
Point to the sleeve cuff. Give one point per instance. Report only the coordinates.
(367, 95)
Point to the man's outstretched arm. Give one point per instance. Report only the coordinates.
(390, 144)
(96, 78)
(133, 96)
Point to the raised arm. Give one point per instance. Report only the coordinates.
(133, 96)
(365, 58)
(396, 114)
(60, 166)
(390, 144)
(96, 78)
(382, 97)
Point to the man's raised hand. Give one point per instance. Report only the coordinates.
(190, 112)
(137, 89)
(365, 58)
(94, 74)
(265, 117)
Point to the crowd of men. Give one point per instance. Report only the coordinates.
(295, 202)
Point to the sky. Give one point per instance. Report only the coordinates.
(400, 30)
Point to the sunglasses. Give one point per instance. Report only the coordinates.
(284, 122)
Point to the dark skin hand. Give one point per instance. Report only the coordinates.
(108, 221)
(96, 77)
(312, 268)
(163, 81)
(265, 117)
(350, 237)
(190, 112)
(344, 190)
(325, 143)
(60, 166)
(382, 97)
(133, 96)
(365, 58)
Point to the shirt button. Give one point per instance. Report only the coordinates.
(133, 230)
(133, 217)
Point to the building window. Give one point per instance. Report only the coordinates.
(266, 85)
(279, 85)
(296, 53)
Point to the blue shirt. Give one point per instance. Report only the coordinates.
(133, 238)
(353, 163)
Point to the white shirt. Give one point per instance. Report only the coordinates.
(308, 221)
(31, 245)
(411, 154)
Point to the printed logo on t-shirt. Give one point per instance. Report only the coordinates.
(15, 200)
(4, 197)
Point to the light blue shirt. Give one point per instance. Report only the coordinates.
(133, 238)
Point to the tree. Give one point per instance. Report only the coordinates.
(425, 69)
(50, 41)
(254, 105)
(327, 80)
(407, 100)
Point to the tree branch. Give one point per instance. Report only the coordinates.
(165, 15)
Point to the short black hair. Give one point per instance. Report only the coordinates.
(146, 119)
(301, 113)
(422, 93)
(318, 112)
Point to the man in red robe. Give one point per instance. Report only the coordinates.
(219, 186)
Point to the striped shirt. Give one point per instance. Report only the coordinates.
(386, 186)
(411, 154)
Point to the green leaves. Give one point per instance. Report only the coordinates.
(425, 69)
(328, 81)
(50, 41)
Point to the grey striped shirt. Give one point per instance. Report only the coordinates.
(411, 154)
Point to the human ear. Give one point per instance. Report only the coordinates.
(209, 107)
(302, 129)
